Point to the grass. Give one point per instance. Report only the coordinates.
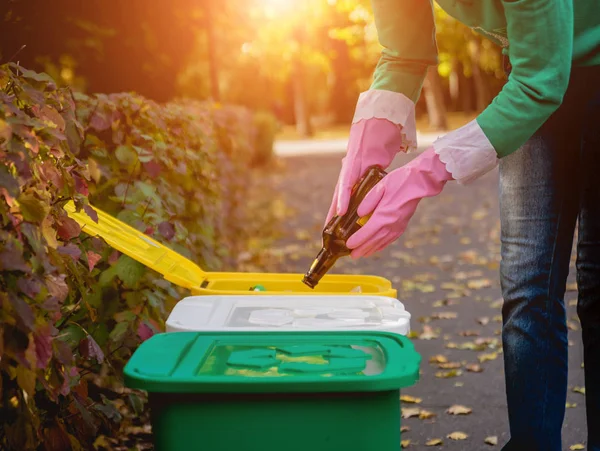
(288, 132)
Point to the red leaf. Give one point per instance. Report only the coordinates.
(112, 259)
(43, 345)
(51, 174)
(149, 230)
(57, 287)
(64, 354)
(144, 331)
(12, 260)
(152, 168)
(89, 349)
(71, 250)
(93, 258)
(100, 122)
(91, 213)
(29, 287)
(68, 229)
(81, 186)
(23, 310)
(167, 230)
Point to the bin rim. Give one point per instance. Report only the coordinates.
(401, 366)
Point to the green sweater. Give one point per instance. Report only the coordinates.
(543, 39)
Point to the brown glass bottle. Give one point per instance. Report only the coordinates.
(340, 228)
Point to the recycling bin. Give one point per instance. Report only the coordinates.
(229, 313)
(187, 274)
(273, 391)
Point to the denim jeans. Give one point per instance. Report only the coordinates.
(547, 187)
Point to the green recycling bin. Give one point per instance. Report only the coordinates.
(274, 391)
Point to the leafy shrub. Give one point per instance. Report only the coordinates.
(72, 310)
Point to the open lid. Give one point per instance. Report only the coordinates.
(273, 362)
(243, 313)
(173, 266)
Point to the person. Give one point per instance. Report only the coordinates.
(543, 130)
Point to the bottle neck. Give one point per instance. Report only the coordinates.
(323, 263)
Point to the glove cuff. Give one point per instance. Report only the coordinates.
(392, 106)
(467, 153)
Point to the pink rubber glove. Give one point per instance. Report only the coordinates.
(393, 202)
(372, 142)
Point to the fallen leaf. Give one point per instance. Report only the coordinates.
(405, 443)
(491, 440)
(571, 405)
(497, 303)
(449, 365)
(486, 357)
(404, 428)
(474, 368)
(571, 325)
(428, 334)
(573, 303)
(457, 436)
(468, 333)
(576, 446)
(410, 412)
(579, 390)
(445, 315)
(434, 442)
(438, 359)
(572, 286)
(478, 284)
(459, 384)
(410, 399)
(426, 415)
(448, 374)
(457, 409)
(497, 319)
(484, 320)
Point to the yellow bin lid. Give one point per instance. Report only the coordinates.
(187, 274)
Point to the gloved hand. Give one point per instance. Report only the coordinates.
(372, 142)
(393, 202)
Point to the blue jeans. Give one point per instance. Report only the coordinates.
(546, 188)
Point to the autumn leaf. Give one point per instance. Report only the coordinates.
(410, 412)
(405, 443)
(479, 284)
(410, 399)
(571, 405)
(487, 357)
(445, 315)
(426, 415)
(434, 442)
(469, 333)
(428, 334)
(89, 349)
(449, 365)
(474, 368)
(484, 320)
(92, 259)
(68, 229)
(457, 409)
(438, 359)
(457, 436)
(580, 390)
(576, 446)
(448, 374)
(491, 440)
(572, 286)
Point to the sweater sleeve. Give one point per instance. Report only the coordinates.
(406, 31)
(540, 34)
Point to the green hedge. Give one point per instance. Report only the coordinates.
(72, 310)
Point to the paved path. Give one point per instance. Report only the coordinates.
(446, 271)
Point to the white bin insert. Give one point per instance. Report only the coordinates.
(288, 313)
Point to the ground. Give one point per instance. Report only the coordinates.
(446, 271)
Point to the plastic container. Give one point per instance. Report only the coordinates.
(185, 273)
(261, 391)
(284, 313)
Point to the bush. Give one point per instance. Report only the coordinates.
(72, 310)
(267, 126)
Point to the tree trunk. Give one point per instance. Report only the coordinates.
(301, 110)
(211, 43)
(480, 85)
(454, 83)
(434, 99)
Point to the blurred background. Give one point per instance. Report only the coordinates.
(303, 62)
